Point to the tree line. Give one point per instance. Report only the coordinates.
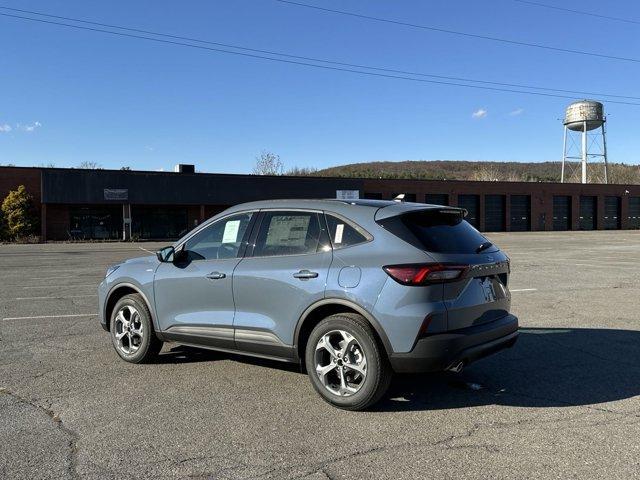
(268, 163)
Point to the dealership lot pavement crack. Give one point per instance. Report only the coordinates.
(56, 419)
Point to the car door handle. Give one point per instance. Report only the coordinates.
(216, 275)
(305, 274)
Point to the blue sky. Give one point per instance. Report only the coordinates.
(69, 95)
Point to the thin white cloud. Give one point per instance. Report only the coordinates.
(516, 112)
(480, 113)
(5, 128)
(29, 127)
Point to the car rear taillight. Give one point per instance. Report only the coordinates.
(425, 273)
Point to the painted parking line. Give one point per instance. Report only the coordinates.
(61, 286)
(59, 297)
(44, 279)
(54, 278)
(37, 317)
(608, 265)
(523, 290)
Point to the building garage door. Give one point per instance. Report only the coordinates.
(520, 213)
(588, 210)
(634, 212)
(436, 198)
(561, 212)
(472, 204)
(494, 213)
(612, 207)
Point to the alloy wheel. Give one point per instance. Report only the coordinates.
(340, 363)
(129, 330)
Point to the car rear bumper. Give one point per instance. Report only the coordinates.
(442, 351)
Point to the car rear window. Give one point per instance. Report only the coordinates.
(438, 231)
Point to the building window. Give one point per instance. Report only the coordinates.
(96, 223)
(158, 222)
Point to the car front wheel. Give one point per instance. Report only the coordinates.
(132, 331)
(345, 362)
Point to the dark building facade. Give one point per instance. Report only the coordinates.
(111, 204)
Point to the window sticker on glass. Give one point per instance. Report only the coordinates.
(339, 232)
(230, 234)
(288, 230)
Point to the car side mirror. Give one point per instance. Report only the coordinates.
(166, 254)
(180, 255)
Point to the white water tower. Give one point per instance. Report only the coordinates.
(584, 136)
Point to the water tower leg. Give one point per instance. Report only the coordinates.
(584, 152)
(604, 152)
(564, 154)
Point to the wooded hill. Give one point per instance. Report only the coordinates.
(486, 171)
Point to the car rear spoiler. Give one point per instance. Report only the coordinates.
(402, 208)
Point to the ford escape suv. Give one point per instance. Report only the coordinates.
(351, 290)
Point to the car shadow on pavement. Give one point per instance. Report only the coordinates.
(548, 367)
(187, 354)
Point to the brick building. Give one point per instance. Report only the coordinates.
(103, 204)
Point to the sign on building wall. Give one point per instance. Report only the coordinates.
(116, 194)
(347, 194)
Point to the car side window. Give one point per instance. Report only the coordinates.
(221, 239)
(290, 233)
(345, 234)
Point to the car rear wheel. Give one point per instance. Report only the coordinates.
(346, 364)
(132, 331)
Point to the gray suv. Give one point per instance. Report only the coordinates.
(350, 290)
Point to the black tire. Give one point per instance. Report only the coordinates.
(378, 370)
(148, 346)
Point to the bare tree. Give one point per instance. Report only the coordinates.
(89, 165)
(301, 171)
(486, 173)
(490, 173)
(621, 173)
(268, 163)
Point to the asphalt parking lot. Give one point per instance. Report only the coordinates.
(564, 402)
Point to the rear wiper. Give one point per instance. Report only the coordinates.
(484, 246)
